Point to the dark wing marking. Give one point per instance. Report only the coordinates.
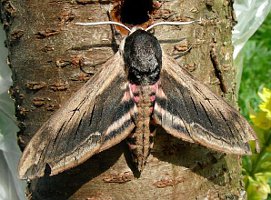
(188, 110)
(95, 118)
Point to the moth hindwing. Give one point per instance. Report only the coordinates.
(137, 89)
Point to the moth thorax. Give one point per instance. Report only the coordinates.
(142, 57)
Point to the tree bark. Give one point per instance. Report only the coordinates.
(46, 49)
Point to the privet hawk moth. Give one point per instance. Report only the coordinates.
(139, 88)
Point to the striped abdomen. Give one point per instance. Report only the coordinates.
(141, 139)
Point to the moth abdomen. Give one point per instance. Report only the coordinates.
(140, 141)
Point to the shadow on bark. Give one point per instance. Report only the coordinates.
(63, 185)
(193, 157)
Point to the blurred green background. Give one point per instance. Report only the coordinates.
(257, 75)
(256, 67)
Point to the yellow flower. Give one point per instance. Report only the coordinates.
(260, 119)
(265, 106)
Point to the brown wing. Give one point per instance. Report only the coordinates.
(95, 118)
(189, 110)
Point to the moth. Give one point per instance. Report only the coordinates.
(136, 90)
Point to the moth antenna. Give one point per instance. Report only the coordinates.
(171, 23)
(103, 23)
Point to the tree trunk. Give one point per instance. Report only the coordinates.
(46, 49)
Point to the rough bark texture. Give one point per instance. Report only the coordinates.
(46, 49)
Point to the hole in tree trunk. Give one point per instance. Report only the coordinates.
(135, 12)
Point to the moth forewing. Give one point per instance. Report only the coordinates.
(189, 110)
(79, 128)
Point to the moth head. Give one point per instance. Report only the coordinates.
(142, 56)
(141, 51)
